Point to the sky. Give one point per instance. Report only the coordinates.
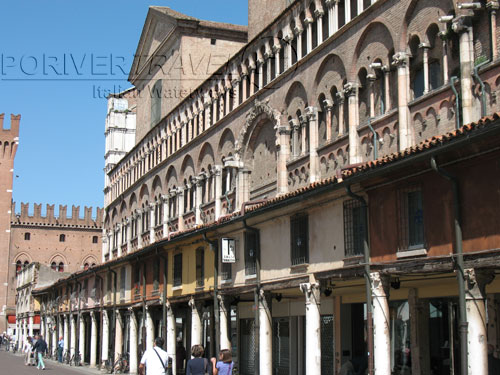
(57, 59)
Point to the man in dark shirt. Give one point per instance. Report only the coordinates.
(40, 348)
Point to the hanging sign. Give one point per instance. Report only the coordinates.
(228, 250)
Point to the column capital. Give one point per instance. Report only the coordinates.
(311, 291)
(351, 88)
(308, 20)
(311, 113)
(283, 130)
(328, 104)
(400, 59)
(424, 45)
(476, 281)
(371, 77)
(340, 96)
(331, 3)
(319, 12)
(380, 284)
(294, 124)
(492, 5)
(461, 24)
(297, 30)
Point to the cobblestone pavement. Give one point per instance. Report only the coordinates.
(13, 364)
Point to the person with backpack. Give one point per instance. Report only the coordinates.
(155, 359)
(225, 364)
(198, 365)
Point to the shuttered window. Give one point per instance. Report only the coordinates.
(299, 239)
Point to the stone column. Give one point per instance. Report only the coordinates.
(312, 117)
(461, 25)
(66, 333)
(277, 61)
(252, 80)
(308, 21)
(328, 105)
(152, 207)
(225, 318)
(196, 326)
(303, 133)
(319, 13)
(333, 11)
(105, 337)
(493, 6)
(236, 93)
(244, 89)
(72, 346)
(150, 329)
(171, 336)
(298, 34)
(133, 343)
(243, 186)
(360, 6)
(425, 60)
(288, 37)
(199, 198)
(93, 339)
(405, 137)
(265, 335)
(313, 328)
(347, 5)
(283, 157)
(30, 325)
(381, 334)
(340, 103)
(118, 336)
(218, 190)
(166, 213)
(371, 78)
(207, 104)
(81, 338)
(351, 89)
(387, 88)
(139, 228)
(180, 208)
(268, 56)
(54, 335)
(477, 342)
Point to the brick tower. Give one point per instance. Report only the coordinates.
(9, 139)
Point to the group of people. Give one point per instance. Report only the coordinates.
(34, 348)
(155, 361)
(6, 341)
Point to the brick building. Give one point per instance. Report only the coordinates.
(321, 196)
(66, 244)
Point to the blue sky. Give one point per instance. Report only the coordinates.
(54, 55)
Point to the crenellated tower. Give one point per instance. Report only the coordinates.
(9, 139)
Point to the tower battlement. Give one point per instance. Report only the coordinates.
(9, 138)
(62, 220)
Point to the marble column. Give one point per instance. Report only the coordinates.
(313, 328)
(381, 332)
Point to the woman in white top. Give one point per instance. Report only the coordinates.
(27, 345)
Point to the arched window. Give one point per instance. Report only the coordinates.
(26, 263)
(61, 267)
(86, 266)
(92, 265)
(19, 266)
(62, 237)
(27, 236)
(53, 265)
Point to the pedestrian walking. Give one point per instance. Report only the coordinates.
(60, 348)
(225, 364)
(40, 348)
(27, 350)
(198, 365)
(155, 359)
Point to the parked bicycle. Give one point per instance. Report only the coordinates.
(75, 359)
(120, 366)
(66, 357)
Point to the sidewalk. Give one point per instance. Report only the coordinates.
(83, 369)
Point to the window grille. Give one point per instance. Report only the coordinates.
(156, 275)
(226, 271)
(299, 239)
(178, 269)
(327, 344)
(411, 218)
(200, 267)
(251, 241)
(281, 346)
(247, 343)
(355, 228)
